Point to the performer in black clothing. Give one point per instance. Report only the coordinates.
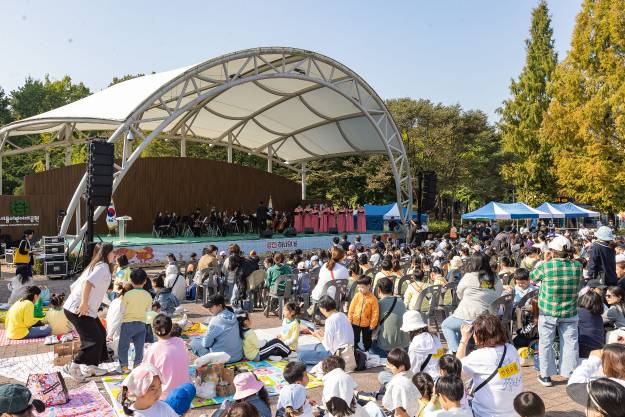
(23, 256)
(261, 218)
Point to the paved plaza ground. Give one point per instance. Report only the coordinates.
(557, 401)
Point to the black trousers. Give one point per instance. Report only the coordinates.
(366, 336)
(92, 339)
(274, 347)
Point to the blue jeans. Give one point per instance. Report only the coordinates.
(132, 331)
(569, 349)
(36, 332)
(195, 345)
(312, 354)
(375, 349)
(451, 329)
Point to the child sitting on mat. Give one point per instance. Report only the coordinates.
(168, 355)
(56, 316)
(255, 350)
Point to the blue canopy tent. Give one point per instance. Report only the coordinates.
(375, 215)
(553, 210)
(503, 211)
(570, 210)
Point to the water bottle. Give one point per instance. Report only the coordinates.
(51, 412)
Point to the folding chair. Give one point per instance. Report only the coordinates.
(431, 295)
(402, 285)
(506, 301)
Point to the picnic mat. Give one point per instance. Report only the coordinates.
(85, 400)
(19, 367)
(268, 372)
(5, 341)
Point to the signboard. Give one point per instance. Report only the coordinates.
(19, 215)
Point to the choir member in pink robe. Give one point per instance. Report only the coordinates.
(315, 219)
(362, 220)
(298, 221)
(331, 218)
(342, 220)
(349, 219)
(323, 220)
(308, 221)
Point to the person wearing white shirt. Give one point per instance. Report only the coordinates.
(448, 391)
(173, 279)
(338, 333)
(602, 363)
(494, 367)
(401, 394)
(330, 271)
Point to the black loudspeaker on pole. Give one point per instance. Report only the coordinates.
(426, 192)
(99, 186)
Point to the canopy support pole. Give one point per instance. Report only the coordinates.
(1, 174)
(47, 160)
(303, 181)
(229, 148)
(183, 148)
(269, 158)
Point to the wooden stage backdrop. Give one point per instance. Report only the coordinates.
(152, 184)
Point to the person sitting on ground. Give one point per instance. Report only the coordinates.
(141, 392)
(56, 317)
(401, 393)
(425, 385)
(450, 365)
(529, 404)
(338, 333)
(602, 397)
(164, 296)
(19, 284)
(492, 396)
(169, 355)
(17, 401)
(608, 362)
(21, 322)
(121, 274)
(448, 391)
(251, 391)
(591, 335)
(257, 350)
(222, 334)
(364, 312)
(294, 395)
(173, 278)
(615, 315)
(391, 312)
(338, 390)
(425, 349)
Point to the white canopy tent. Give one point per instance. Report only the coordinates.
(287, 105)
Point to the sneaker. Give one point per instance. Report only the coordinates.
(123, 370)
(546, 381)
(275, 358)
(93, 370)
(74, 372)
(67, 337)
(50, 340)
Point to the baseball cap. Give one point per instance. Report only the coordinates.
(314, 258)
(595, 283)
(16, 398)
(301, 265)
(559, 243)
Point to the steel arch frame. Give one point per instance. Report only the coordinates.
(293, 64)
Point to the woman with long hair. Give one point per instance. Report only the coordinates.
(477, 289)
(330, 271)
(81, 309)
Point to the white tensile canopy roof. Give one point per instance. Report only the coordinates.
(287, 105)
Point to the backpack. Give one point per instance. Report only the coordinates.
(303, 283)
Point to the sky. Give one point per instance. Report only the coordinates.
(450, 51)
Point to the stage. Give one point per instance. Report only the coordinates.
(145, 249)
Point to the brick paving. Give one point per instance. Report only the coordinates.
(556, 400)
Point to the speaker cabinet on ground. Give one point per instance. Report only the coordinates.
(266, 234)
(333, 231)
(290, 232)
(309, 231)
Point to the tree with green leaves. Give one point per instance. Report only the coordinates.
(5, 111)
(529, 160)
(585, 124)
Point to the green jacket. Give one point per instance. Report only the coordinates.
(274, 272)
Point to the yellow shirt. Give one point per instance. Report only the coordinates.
(20, 318)
(250, 345)
(58, 322)
(290, 333)
(136, 302)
